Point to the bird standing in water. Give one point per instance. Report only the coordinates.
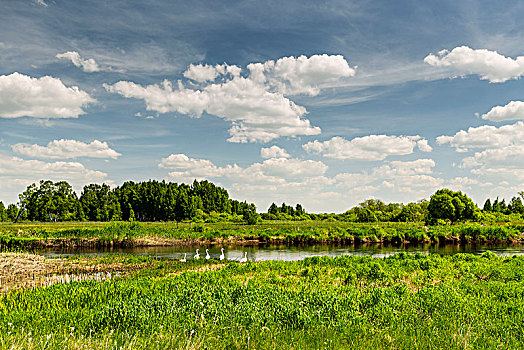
(184, 258)
(197, 255)
(244, 259)
(222, 257)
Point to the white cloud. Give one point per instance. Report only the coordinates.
(485, 136)
(498, 174)
(203, 73)
(191, 167)
(506, 157)
(255, 104)
(512, 111)
(404, 168)
(465, 183)
(490, 65)
(256, 114)
(273, 152)
(41, 2)
(502, 157)
(65, 149)
(304, 181)
(88, 65)
(424, 146)
(372, 147)
(271, 170)
(17, 173)
(302, 75)
(45, 97)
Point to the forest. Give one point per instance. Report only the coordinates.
(132, 201)
(203, 201)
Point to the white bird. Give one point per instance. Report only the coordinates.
(207, 254)
(244, 259)
(197, 256)
(222, 257)
(184, 258)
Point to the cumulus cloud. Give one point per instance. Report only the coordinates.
(501, 154)
(256, 113)
(255, 104)
(485, 136)
(272, 170)
(305, 181)
(273, 152)
(372, 147)
(302, 75)
(512, 111)
(16, 173)
(65, 149)
(489, 65)
(424, 146)
(508, 156)
(45, 97)
(202, 72)
(87, 65)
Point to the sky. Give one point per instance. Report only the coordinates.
(323, 103)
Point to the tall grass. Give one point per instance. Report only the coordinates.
(403, 301)
(129, 234)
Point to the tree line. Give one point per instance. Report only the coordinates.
(203, 201)
(141, 201)
(444, 206)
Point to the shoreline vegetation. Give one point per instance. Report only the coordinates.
(32, 236)
(152, 213)
(405, 301)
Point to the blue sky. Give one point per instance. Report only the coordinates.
(322, 103)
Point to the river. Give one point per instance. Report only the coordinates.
(293, 252)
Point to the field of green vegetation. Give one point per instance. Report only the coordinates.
(403, 302)
(83, 234)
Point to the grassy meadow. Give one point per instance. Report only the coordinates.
(96, 234)
(400, 302)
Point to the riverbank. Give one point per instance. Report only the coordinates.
(403, 301)
(99, 235)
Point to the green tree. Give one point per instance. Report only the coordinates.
(516, 206)
(250, 215)
(273, 209)
(487, 205)
(50, 201)
(497, 208)
(412, 212)
(12, 212)
(449, 205)
(3, 212)
(366, 215)
(99, 203)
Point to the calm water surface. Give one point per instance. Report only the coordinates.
(289, 252)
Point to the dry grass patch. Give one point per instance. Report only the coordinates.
(25, 270)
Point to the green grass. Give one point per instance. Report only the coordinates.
(403, 302)
(31, 235)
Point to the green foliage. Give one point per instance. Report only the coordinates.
(143, 201)
(131, 233)
(3, 212)
(403, 301)
(99, 203)
(453, 206)
(13, 212)
(285, 212)
(50, 201)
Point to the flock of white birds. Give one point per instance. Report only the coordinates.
(222, 256)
